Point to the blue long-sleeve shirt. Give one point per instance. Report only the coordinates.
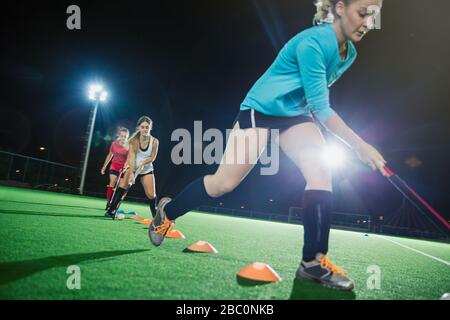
(298, 81)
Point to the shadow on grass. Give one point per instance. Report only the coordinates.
(12, 271)
(250, 283)
(186, 250)
(65, 215)
(307, 290)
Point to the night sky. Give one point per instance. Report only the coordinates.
(181, 61)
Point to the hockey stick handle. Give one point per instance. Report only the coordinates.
(136, 173)
(391, 175)
(389, 171)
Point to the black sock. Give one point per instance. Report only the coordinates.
(317, 208)
(190, 198)
(153, 207)
(116, 199)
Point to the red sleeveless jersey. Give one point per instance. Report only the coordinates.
(120, 156)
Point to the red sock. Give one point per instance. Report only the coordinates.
(109, 192)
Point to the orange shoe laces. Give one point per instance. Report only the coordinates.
(326, 263)
(164, 227)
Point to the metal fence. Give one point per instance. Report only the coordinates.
(23, 171)
(413, 233)
(244, 213)
(339, 220)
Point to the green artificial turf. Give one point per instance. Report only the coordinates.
(43, 233)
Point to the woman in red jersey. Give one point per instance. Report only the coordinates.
(118, 153)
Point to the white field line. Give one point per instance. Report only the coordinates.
(417, 251)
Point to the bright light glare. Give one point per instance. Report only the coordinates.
(103, 96)
(96, 93)
(333, 156)
(96, 88)
(91, 95)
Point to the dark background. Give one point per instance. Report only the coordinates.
(180, 61)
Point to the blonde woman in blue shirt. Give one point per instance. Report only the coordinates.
(291, 96)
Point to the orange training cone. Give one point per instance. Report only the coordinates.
(202, 246)
(175, 234)
(259, 271)
(145, 221)
(135, 217)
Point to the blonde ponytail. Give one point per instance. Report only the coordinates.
(133, 141)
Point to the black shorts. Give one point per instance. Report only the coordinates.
(114, 172)
(145, 174)
(254, 119)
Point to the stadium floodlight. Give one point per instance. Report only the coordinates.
(103, 96)
(333, 156)
(97, 95)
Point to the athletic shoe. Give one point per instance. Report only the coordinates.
(160, 225)
(321, 270)
(111, 214)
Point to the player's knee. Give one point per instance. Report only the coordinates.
(227, 187)
(123, 184)
(319, 185)
(320, 181)
(318, 176)
(217, 186)
(150, 195)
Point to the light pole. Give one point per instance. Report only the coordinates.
(97, 95)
